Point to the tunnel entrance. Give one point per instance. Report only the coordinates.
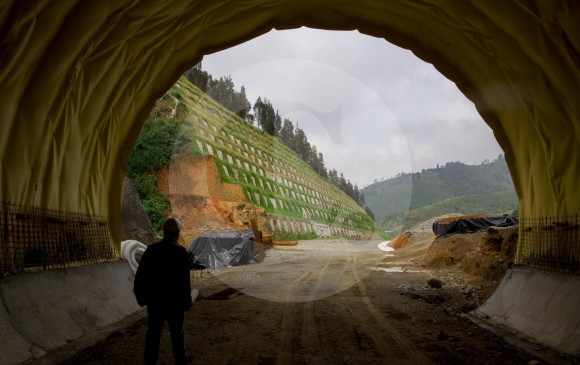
(82, 67)
(222, 167)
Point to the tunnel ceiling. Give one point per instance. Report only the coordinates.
(77, 79)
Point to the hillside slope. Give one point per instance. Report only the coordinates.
(456, 187)
(250, 168)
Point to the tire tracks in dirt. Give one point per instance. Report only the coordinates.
(392, 346)
(367, 320)
(309, 334)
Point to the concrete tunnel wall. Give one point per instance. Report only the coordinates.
(45, 310)
(77, 79)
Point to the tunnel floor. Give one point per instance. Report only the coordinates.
(324, 303)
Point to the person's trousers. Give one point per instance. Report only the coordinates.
(156, 316)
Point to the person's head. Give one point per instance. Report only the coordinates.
(171, 228)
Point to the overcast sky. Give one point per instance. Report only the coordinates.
(372, 108)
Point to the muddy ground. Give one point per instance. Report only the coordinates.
(326, 302)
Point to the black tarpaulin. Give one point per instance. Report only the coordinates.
(468, 225)
(222, 249)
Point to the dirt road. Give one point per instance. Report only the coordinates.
(323, 302)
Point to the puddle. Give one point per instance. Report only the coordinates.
(391, 269)
(396, 269)
(383, 246)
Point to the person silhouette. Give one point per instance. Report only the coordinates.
(162, 283)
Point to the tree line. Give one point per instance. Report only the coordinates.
(221, 90)
(265, 116)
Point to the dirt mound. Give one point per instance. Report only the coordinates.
(402, 240)
(424, 230)
(419, 233)
(496, 254)
(485, 254)
(447, 251)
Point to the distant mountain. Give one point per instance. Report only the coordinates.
(453, 188)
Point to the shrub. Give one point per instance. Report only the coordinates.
(154, 146)
(156, 204)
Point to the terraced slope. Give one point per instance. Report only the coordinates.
(295, 199)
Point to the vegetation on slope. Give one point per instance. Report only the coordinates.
(497, 203)
(153, 150)
(269, 120)
(272, 176)
(486, 188)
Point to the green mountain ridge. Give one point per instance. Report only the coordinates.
(454, 188)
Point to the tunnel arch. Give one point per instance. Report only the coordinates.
(77, 79)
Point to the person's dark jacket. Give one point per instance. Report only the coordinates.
(162, 277)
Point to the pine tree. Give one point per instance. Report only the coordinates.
(198, 77)
(268, 119)
(300, 143)
(258, 112)
(277, 124)
(333, 177)
(242, 105)
(287, 134)
(323, 171)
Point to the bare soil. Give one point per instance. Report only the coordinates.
(202, 201)
(326, 302)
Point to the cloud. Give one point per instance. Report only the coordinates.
(373, 109)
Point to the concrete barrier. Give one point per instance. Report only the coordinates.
(13, 348)
(42, 311)
(543, 306)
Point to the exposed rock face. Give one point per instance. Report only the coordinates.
(135, 223)
(202, 201)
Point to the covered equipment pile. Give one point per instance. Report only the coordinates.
(468, 225)
(223, 249)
